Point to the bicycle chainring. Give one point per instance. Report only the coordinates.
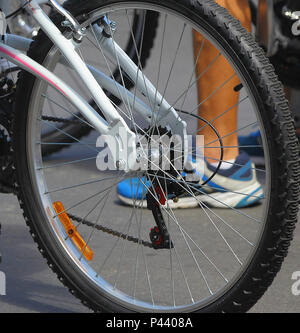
(7, 170)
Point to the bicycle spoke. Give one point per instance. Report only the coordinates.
(64, 109)
(68, 135)
(99, 180)
(67, 163)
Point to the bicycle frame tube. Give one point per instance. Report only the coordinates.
(21, 60)
(23, 44)
(163, 113)
(68, 49)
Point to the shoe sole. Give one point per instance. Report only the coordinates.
(251, 195)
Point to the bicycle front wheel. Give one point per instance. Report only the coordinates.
(127, 246)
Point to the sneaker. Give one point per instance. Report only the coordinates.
(236, 187)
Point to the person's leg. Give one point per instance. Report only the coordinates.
(214, 98)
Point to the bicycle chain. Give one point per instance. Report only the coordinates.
(91, 224)
(61, 120)
(112, 232)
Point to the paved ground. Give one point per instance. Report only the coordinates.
(32, 287)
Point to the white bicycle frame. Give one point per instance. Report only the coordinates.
(12, 47)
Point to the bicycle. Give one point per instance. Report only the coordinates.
(149, 257)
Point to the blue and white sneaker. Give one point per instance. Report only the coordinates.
(235, 187)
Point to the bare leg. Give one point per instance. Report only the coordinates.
(210, 82)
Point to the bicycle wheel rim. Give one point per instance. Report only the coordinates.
(38, 180)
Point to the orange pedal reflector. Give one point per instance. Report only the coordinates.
(72, 231)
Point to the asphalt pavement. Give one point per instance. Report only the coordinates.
(32, 287)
